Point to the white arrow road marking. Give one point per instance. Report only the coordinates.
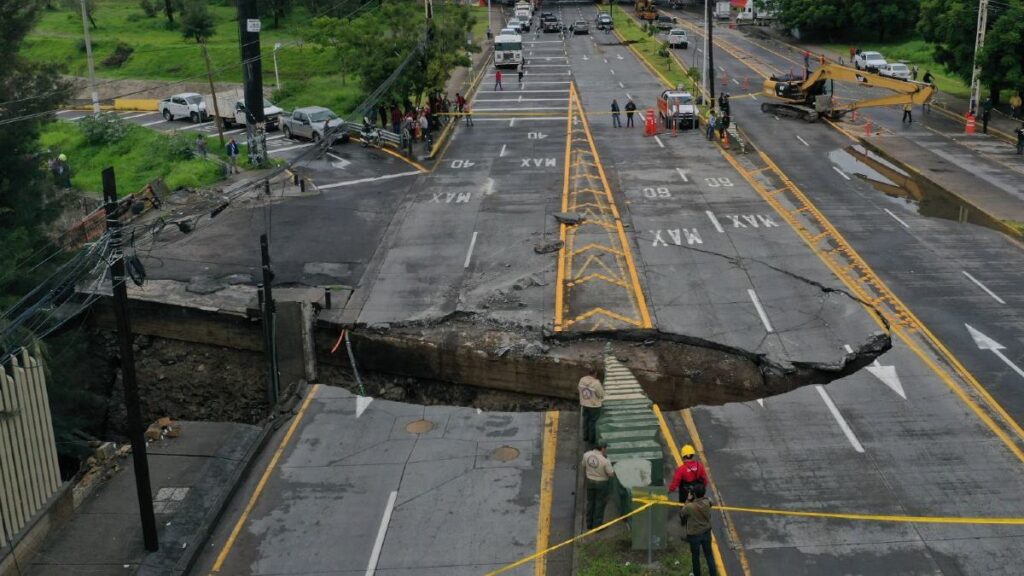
(986, 343)
(362, 403)
(983, 287)
(839, 418)
(371, 568)
(887, 374)
(341, 163)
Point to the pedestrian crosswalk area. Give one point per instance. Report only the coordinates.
(539, 96)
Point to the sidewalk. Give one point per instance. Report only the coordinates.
(192, 479)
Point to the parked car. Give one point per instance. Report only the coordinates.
(185, 105)
(604, 22)
(677, 107)
(666, 22)
(552, 26)
(525, 22)
(677, 38)
(580, 27)
(897, 70)
(312, 122)
(508, 32)
(515, 25)
(870, 61)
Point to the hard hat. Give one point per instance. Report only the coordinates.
(687, 451)
(62, 157)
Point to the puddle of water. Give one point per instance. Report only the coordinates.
(895, 182)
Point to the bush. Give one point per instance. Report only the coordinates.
(181, 146)
(119, 56)
(107, 128)
(149, 8)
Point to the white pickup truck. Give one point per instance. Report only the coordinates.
(231, 106)
(870, 61)
(185, 105)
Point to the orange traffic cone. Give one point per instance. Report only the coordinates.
(969, 128)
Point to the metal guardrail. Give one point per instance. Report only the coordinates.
(389, 137)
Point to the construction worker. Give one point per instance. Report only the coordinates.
(696, 517)
(591, 400)
(689, 475)
(599, 471)
(907, 115)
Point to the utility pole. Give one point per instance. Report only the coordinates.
(217, 120)
(709, 58)
(88, 55)
(428, 7)
(252, 77)
(979, 44)
(268, 314)
(131, 390)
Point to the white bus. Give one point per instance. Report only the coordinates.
(508, 50)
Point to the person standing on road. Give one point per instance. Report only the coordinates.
(853, 52)
(696, 517)
(1020, 140)
(233, 157)
(986, 114)
(630, 109)
(807, 60)
(519, 70)
(497, 80)
(1015, 104)
(599, 472)
(468, 114)
(723, 125)
(460, 102)
(591, 401)
(908, 118)
(382, 111)
(913, 72)
(396, 119)
(711, 125)
(689, 474)
(616, 121)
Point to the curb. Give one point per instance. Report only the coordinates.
(186, 563)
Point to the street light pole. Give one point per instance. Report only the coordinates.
(88, 54)
(979, 44)
(277, 78)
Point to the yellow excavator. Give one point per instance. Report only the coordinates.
(810, 98)
(645, 10)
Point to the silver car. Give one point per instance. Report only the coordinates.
(311, 122)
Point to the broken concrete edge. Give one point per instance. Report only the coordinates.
(283, 412)
(996, 222)
(803, 372)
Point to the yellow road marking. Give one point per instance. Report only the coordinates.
(638, 293)
(666, 433)
(741, 554)
(901, 311)
(560, 281)
(547, 485)
(219, 563)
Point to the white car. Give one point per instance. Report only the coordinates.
(897, 70)
(870, 61)
(677, 38)
(515, 25)
(508, 32)
(185, 105)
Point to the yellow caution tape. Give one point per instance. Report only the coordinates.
(977, 520)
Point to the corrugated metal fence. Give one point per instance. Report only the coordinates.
(29, 474)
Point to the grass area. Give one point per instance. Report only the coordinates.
(652, 49)
(603, 557)
(160, 53)
(480, 24)
(138, 158)
(914, 51)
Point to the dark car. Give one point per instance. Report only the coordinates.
(604, 22)
(580, 27)
(552, 26)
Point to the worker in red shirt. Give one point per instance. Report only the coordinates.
(689, 474)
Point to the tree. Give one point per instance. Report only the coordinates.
(276, 8)
(28, 201)
(1002, 60)
(837, 20)
(950, 25)
(169, 10)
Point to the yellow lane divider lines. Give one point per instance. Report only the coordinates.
(222, 557)
(602, 290)
(861, 280)
(547, 486)
(673, 449)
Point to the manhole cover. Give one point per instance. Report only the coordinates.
(419, 427)
(505, 453)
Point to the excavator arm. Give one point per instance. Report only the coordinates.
(804, 97)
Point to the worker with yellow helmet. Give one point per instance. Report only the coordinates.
(689, 474)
